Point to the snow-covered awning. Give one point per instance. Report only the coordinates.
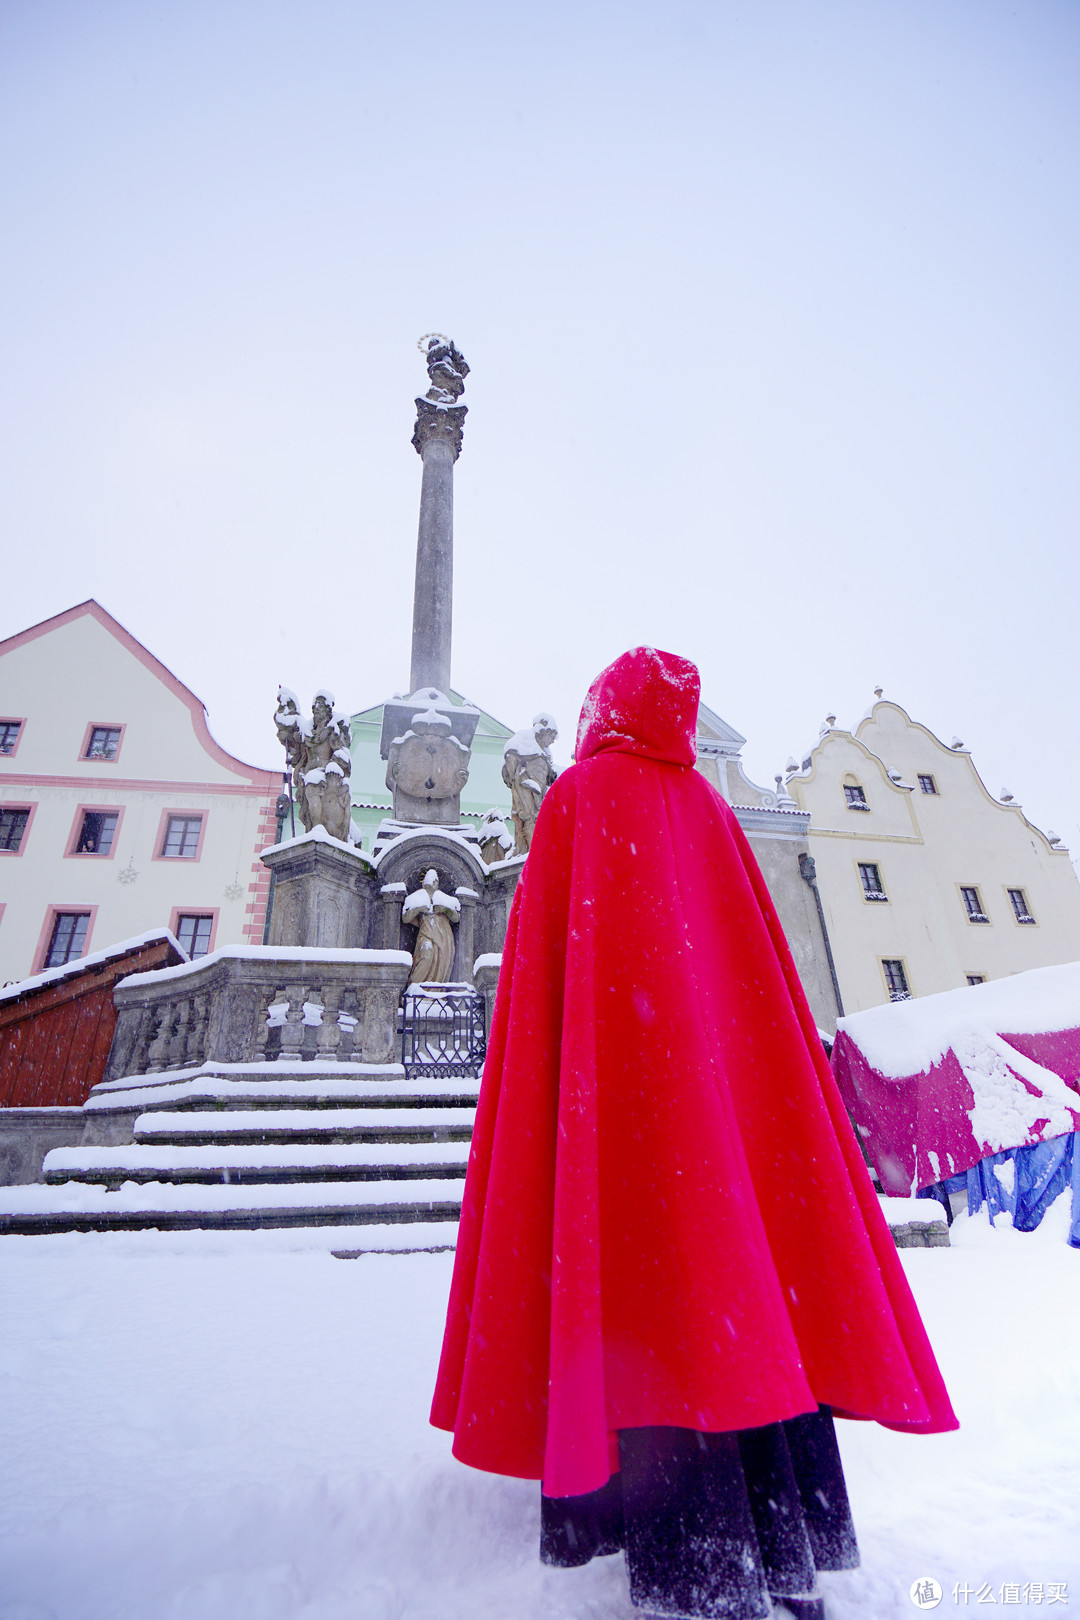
(936, 1084)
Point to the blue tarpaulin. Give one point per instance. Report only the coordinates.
(1022, 1182)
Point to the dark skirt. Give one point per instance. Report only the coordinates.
(714, 1525)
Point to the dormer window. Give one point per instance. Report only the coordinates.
(856, 798)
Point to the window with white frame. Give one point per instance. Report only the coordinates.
(193, 931)
(67, 941)
(182, 834)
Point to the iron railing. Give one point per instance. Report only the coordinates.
(442, 1030)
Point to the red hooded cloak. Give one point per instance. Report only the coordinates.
(666, 1220)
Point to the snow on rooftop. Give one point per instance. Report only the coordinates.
(909, 1037)
(95, 959)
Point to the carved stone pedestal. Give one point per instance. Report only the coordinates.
(324, 893)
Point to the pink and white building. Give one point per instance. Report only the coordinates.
(119, 812)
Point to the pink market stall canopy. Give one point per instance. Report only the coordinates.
(936, 1085)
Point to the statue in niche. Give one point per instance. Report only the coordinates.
(495, 840)
(433, 915)
(447, 368)
(528, 773)
(317, 756)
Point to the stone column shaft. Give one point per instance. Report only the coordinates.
(433, 595)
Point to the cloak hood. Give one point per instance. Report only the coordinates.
(645, 703)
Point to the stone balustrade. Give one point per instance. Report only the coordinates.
(255, 1004)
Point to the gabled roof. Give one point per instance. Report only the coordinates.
(90, 609)
(713, 729)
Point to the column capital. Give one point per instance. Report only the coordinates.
(438, 422)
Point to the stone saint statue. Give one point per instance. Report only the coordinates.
(495, 840)
(528, 773)
(432, 914)
(317, 754)
(447, 369)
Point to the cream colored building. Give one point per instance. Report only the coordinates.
(927, 881)
(119, 812)
(776, 830)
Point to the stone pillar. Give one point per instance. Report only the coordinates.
(486, 975)
(391, 900)
(323, 892)
(437, 439)
(466, 935)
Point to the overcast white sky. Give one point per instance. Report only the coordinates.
(771, 310)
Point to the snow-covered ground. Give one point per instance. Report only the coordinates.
(207, 1426)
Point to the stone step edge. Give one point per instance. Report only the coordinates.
(226, 1220)
(284, 1136)
(252, 1176)
(251, 1094)
(316, 1069)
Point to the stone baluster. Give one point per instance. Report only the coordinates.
(328, 1034)
(140, 1054)
(292, 1031)
(158, 1052)
(178, 1044)
(348, 1021)
(196, 1041)
(312, 1023)
(268, 1035)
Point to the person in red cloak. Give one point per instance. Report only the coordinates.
(671, 1267)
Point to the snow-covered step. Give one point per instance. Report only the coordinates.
(80, 1207)
(245, 1071)
(322, 1091)
(374, 1161)
(307, 1125)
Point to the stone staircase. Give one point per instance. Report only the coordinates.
(256, 1145)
